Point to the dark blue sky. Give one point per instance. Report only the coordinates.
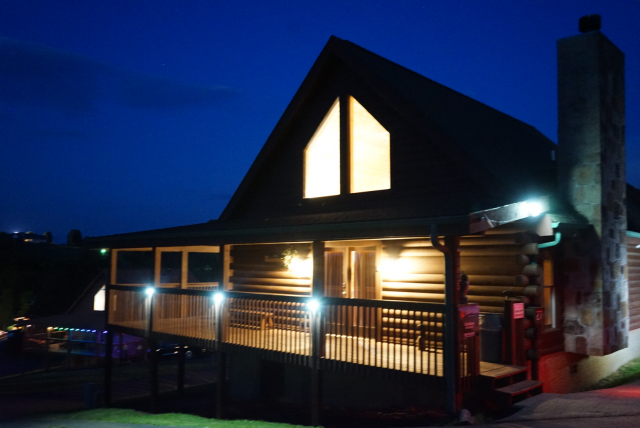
(121, 116)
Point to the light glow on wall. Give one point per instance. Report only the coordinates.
(302, 268)
(322, 157)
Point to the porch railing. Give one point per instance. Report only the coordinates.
(394, 335)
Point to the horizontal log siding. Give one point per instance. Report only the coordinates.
(633, 263)
(255, 270)
(495, 263)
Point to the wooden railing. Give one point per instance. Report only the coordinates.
(393, 335)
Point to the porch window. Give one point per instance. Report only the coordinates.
(369, 153)
(322, 157)
(99, 299)
(549, 294)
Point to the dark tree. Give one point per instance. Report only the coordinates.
(48, 236)
(74, 238)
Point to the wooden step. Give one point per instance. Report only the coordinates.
(509, 395)
(494, 376)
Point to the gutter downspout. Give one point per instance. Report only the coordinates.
(452, 267)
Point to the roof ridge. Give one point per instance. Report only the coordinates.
(395, 64)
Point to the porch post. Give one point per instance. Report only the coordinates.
(182, 350)
(108, 351)
(317, 280)
(317, 331)
(221, 374)
(153, 344)
(451, 253)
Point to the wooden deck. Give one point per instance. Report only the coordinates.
(337, 348)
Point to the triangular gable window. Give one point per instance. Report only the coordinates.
(368, 147)
(370, 165)
(322, 157)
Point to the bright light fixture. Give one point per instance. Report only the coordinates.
(150, 291)
(302, 268)
(313, 305)
(218, 297)
(103, 251)
(532, 208)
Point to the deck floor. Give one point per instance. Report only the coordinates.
(337, 348)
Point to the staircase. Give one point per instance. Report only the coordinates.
(506, 385)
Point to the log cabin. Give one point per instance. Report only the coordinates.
(397, 242)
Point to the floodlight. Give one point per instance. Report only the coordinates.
(150, 291)
(218, 297)
(313, 305)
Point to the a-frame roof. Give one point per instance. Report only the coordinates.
(508, 158)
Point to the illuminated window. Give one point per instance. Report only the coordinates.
(99, 299)
(322, 157)
(549, 294)
(370, 165)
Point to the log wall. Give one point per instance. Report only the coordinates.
(500, 263)
(258, 269)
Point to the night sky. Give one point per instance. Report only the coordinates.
(119, 116)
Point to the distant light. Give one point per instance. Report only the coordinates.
(105, 332)
(103, 251)
(93, 331)
(82, 329)
(313, 305)
(218, 297)
(150, 291)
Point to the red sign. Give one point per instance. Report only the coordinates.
(518, 311)
(469, 320)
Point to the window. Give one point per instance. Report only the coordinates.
(99, 299)
(370, 165)
(369, 153)
(549, 294)
(322, 157)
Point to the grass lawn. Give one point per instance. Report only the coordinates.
(165, 419)
(625, 374)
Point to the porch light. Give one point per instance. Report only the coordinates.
(313, 305)
(218, 298)
(532, 208)
(149, 291)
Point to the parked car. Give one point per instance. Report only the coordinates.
(170, 349)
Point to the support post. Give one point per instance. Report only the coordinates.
(69, 347)
(47, 360)
(451, 251)
(316, 373)
(221, 368)
(153, 347)
(108, 360)
(182, 350)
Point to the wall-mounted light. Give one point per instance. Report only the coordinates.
(302, 268)
(532, 208)
(149, 291)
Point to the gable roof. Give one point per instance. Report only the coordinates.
(509, 158)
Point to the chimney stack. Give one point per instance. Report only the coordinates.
(591, 168)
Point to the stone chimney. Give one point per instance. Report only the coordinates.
(591, 168)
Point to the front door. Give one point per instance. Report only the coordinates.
(350, 272)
